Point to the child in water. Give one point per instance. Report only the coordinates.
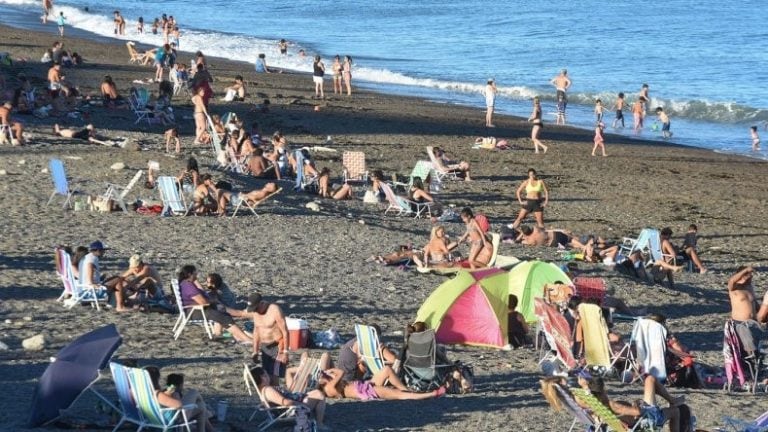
(637, 113)
(598, 110)
(60, 21)
(140, 26)
(599, 139)
(755, 138)
(664, 119)
(619, 107)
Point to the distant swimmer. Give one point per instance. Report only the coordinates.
(490, 101)
(562, 83)
(665, 123)
(619, 107)
(283, 46)
(755, 138)
(47, 7)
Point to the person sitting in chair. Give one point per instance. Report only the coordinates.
(176, 396)
(206, 196)
(324, 188)
(253, 197)
(313, 401)
(450, 165)
(260, 166)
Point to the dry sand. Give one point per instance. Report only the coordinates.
(313, 263)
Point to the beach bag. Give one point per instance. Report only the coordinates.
(329, 339)
(482, 222)
(370, 197)
(459, 379)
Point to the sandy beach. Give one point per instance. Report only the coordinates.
(313, 263)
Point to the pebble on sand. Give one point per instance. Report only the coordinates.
(313, 206)
(3, 172)
(34, 343)
(117, 166)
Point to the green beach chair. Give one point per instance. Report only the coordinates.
(369, 348)
(153, 415)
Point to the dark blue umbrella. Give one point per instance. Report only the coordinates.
(76, 367)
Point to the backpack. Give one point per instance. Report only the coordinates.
(483, 222)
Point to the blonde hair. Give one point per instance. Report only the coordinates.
(549, 390)
(435, 229)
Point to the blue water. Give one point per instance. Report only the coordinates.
(703, 61)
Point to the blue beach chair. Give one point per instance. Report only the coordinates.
(60, 183)
(173, 202)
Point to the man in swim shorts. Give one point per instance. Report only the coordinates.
(562, 83)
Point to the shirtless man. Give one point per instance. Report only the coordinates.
(54, 79)
(742, 296)
(139, 276)
(270, 336)
(259, 166)
(17, 129)
(535, 236)
(562, 83)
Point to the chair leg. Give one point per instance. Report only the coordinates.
(51, 198)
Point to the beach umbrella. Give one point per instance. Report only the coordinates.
(75, 368)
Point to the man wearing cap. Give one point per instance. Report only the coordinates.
(270, 336)
(90, 274)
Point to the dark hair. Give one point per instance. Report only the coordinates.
(256, 372)
(418, 183)
(598, 101)
(205, 177)
(666, 232)
(642, 99)
(512, 302)
(154, 376)
(216, 279)
(80, 252)
(377, 328)
(417, 327)
(192, 165)
(659, 109)
(659, 318)
(645, 85)
(238, 78)
(466, 211)
(258, 151)
(261, 55)
(574, 302)
(621, 95)
(526, 230)
(165, 88)
(693, 227)
(377, 174)
(531, 170)
(186, 271)
(141, 19)
(597, 385)
(754, 128)
(175, 379)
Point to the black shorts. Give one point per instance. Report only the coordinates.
(533, 206)
(619, 115)
(559, 238)
(222, 318)
(269, 360)
(82, 134)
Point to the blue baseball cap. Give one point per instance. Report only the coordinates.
(97, 245)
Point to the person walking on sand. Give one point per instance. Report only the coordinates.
(200, 114)
(47, 7)
(742, 296)
(619, 107)
(562, 83)
(490, 101)
(755, 138)
(665, 123)
(537, 126)
(61, 20)
(318, 71)
(599, 139)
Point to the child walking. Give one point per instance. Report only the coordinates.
(598, 110)
(755, 138)
(619, 107)
(637, 113)
(61, 20)
(599, 139)
(664, 119)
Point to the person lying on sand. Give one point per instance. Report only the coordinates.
(312, 401)
(86, 134)
(252, 197)
(331, 383)
(535, 236)
(324, 188)
(403, 255)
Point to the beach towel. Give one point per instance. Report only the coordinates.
(556, 330)
(732, 354)
(597, 351)
(651, 344)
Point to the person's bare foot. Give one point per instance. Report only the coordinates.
(702, 270)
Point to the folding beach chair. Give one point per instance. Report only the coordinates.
(136, 57)
(138, 102)
(607, 417)
(173, 201)
(557, 334)
(759, 424)
(404, 206)
(62, 259)
(589, 288)
(238, 202)
(369, 348)
(93, 294)
(738, 365)
(646, 350)
(648, 242)
(180, 81)
(118, 193)
(594, 330)
(274, 414)
(306, 375)
(185, 314)
(440, 169)
(235, 162)
(129, 412)
(580, 415)
(60, 183)
(151, 413)
(419, 368)
(354, 166)
(303, 182)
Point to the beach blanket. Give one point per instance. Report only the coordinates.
(597, 351)
(732, 354)
(651, 345)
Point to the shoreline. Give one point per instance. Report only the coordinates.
(313, 263)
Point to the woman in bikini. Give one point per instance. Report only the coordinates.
(537, 126)
(331, 383)
(324, 187)
(536, 198)
(346, 73)
(336, 68)
(313, 401)
(436, 251)
(481, 250)
(200, 114)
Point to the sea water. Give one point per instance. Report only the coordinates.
(704, 61)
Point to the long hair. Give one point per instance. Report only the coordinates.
(186, 271)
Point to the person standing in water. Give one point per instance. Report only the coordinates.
(490, 101)
(665, 123)
(599, 110)
(61, 20)
(562, 83)
(336, 69)
(619, 107)
(637, 113)
(346, 74)
(537, 126)
(755, 138)
(47, 7)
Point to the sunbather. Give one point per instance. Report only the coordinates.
(236, 92)
(341, 192)
(332, 383)
(404, 254)
(192, 294)
(451, 165)
(206, 196)
(630, 412)
(189, 178)
(260, 166)
(352, 364)
(176, 396)
(252, 197)
(86, 134)
(313, 400)
(535, 236)
(436, 251)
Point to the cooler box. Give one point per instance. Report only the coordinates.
(298, 333)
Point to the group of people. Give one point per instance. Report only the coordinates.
(342, 74)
